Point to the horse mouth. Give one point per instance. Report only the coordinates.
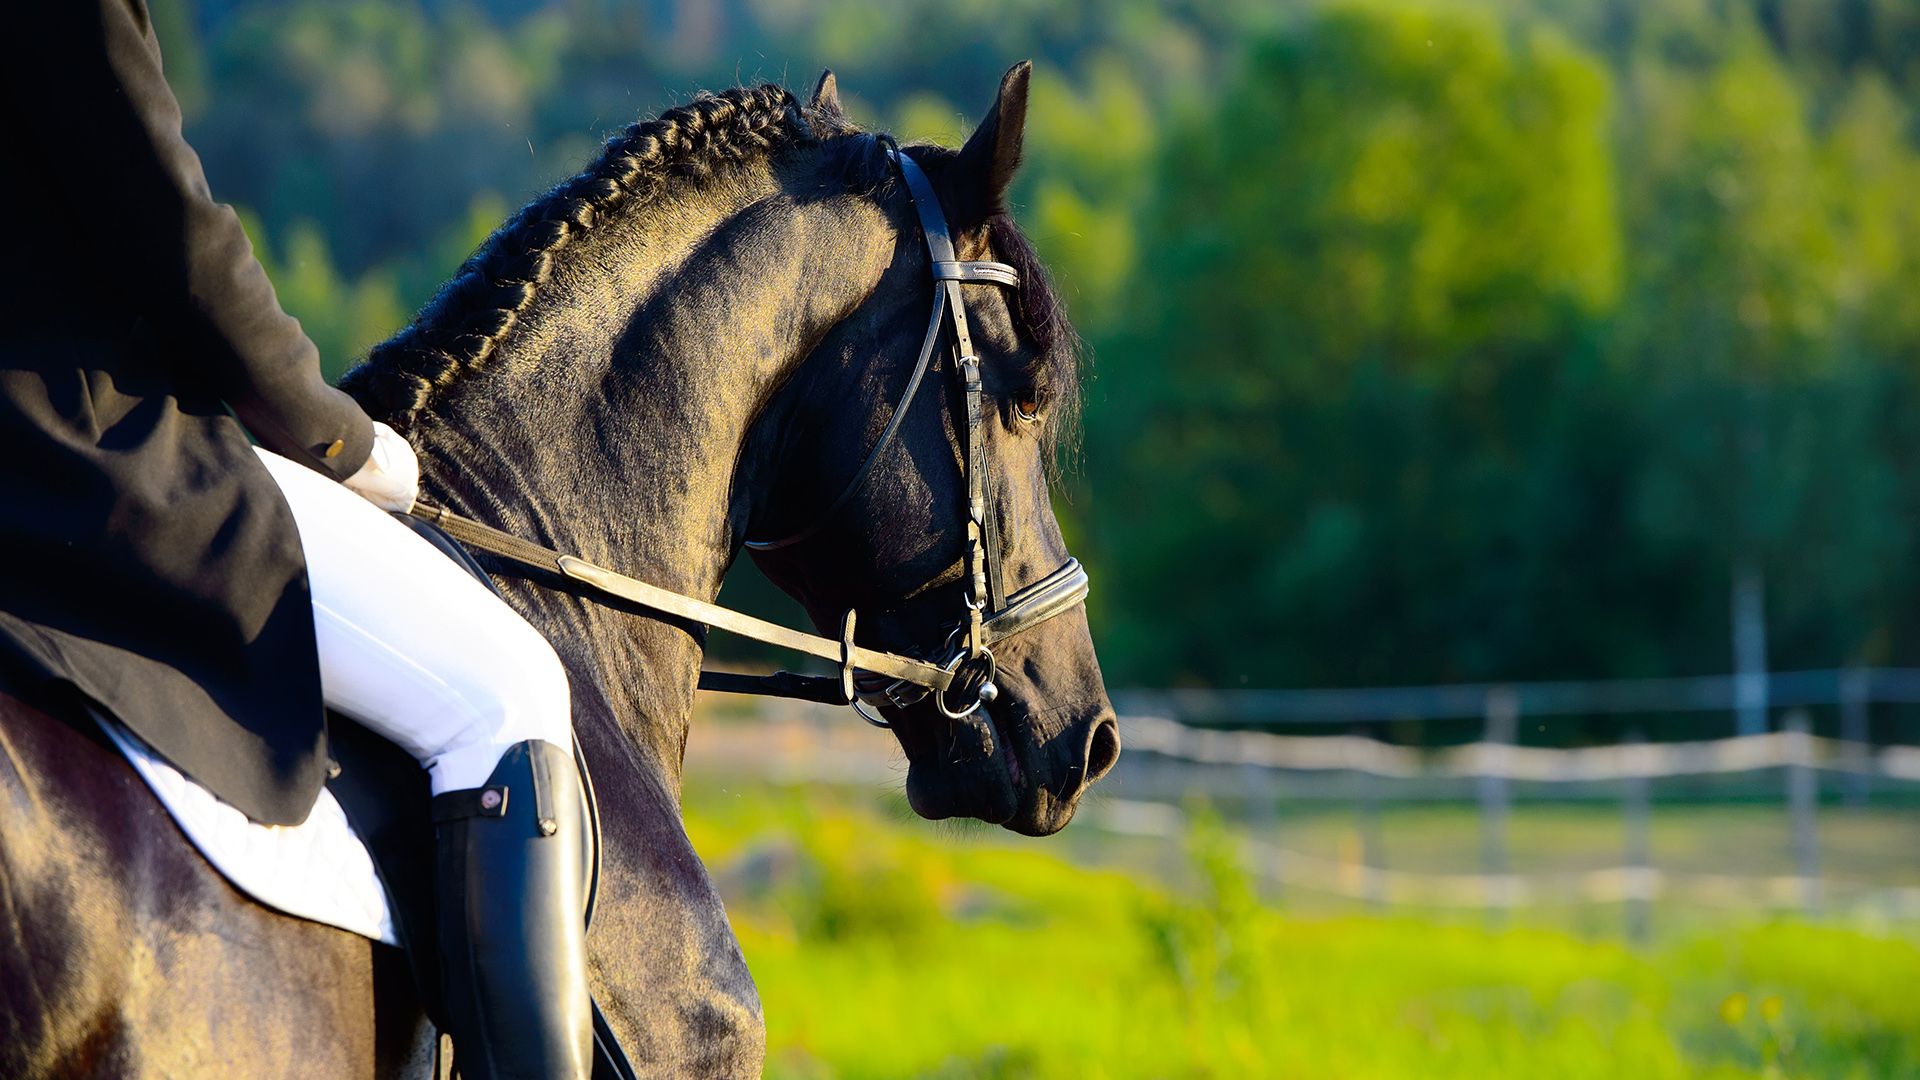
(1027, 817)
(1062, 762)
(999, 782)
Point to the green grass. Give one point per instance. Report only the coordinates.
(886, 947)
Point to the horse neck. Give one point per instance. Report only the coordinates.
(610, 424)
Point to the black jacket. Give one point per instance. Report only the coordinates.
(146, 557)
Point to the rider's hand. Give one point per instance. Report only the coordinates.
(391, 477)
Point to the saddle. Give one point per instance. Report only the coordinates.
(316, 871)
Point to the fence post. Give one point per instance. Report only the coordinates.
(1373, 850)
(1803, 793)
(1502, 712)
(1262, 813)
(1636, 813)
(1750, 683)
(1855, 693)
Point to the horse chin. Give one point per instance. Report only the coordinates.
(939, 790)
(1040, 814)
(967, 772)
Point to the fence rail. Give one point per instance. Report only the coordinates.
(1592, 764)
(1696, 693)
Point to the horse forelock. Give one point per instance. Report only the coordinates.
(1058, 352)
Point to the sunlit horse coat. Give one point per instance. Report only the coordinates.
(146, 558)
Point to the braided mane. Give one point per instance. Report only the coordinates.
(461, 328)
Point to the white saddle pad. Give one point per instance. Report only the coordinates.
(318, 870)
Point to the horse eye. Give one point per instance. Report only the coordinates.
(1027, 406)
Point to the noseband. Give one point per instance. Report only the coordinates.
(868, 678)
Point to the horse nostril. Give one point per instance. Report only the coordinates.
(1103, 749)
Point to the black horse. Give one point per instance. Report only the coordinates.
(693, 341)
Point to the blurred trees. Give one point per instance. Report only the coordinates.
(1355, 363)
(1435, 340)
(1735, 343)
(1473, 356)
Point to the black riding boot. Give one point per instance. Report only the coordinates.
(512, 897)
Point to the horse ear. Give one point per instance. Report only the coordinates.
(985, 166)
(826, 95)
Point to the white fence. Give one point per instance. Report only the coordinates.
(1155, 724)
(1851, 689)
(1594, 764)
(1255, 761)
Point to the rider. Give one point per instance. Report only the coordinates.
(210, 596)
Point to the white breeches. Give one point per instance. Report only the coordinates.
(411, 645)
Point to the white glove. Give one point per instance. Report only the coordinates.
(390, 479)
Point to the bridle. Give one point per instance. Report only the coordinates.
(990, 614)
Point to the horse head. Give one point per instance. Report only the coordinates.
(872, 508)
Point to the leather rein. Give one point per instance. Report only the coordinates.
(991, 615)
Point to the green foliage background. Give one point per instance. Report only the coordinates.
(1435, 339)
